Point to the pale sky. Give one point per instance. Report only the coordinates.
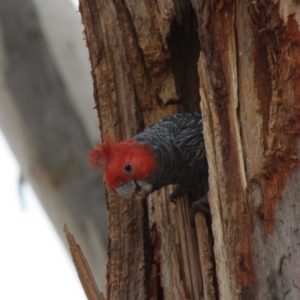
(34, 265)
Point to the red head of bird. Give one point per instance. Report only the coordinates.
(127, 166)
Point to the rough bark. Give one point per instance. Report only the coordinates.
(144, 57)
(142, 54)
(249, 69)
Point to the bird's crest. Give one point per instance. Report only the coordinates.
(99, 156)
(112, 157)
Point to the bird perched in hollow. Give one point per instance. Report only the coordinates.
(170, 151)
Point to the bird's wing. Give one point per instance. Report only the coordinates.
(180, 136)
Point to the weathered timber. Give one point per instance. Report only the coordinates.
(249, 70)
(144, 56)
(144, 65)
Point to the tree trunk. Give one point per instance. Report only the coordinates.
(146, 63)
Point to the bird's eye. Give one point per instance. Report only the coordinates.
(127, 168)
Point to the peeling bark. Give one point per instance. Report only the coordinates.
(249, 90)
(141, 55)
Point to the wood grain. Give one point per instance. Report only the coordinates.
(140, 67)
(84, 272)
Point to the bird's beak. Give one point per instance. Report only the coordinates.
(136, 190)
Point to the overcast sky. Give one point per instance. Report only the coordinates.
(34, 265)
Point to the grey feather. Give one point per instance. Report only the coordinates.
(178, 145)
